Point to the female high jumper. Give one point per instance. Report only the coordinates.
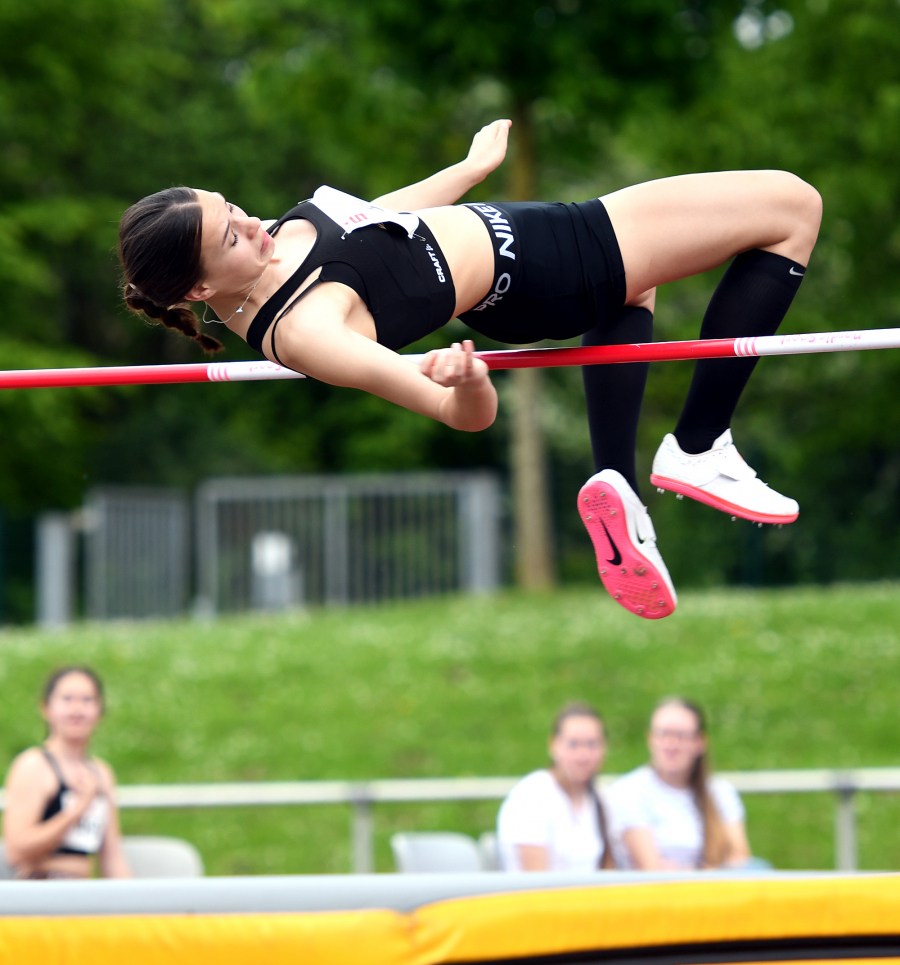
(348, 283)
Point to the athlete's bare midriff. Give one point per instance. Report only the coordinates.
(460, 233)
(58, 865)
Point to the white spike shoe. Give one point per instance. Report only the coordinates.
(721, 479)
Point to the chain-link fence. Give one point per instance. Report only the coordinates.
(271, 543)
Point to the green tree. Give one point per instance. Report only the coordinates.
(565, 74)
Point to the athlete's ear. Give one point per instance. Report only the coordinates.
(200, 293)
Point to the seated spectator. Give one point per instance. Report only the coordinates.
(671, 814)
(60, 805)
(553, 820)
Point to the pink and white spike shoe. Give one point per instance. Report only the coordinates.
(721, 479)
(624, 540)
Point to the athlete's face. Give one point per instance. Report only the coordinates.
(577, 751)
(234, 248)
(675, 743)
(74, 708)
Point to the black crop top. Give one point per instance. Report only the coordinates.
(404, 282)
(85, 837)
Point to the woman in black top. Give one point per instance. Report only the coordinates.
(60, 803)
(346, 284)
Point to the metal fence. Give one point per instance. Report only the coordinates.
(136, 552)
(363, 795)
(271, 544)
(276, 542)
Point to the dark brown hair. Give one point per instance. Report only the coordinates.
(159, 247)
(577, 709)
(715, 842)
(57, 675)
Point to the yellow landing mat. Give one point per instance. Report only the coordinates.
(518, 925)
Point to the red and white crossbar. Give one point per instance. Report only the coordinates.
(525, 358)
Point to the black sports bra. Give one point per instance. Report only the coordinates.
(85, 837)
(404, 282)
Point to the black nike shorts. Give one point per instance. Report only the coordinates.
(558, 271)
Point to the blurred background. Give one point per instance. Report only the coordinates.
(103, 103)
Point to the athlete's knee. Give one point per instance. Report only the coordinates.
(800, 199)
(646, 300)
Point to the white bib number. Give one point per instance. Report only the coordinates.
(351, 213)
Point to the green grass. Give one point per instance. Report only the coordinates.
(461, 686)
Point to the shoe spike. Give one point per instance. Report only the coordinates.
(679, 495)
(660, 490)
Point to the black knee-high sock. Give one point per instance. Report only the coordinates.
(751, 299)
(614, 393)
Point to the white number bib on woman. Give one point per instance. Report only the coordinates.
(352, 213)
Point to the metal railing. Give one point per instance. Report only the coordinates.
(345, 539)
(363, 795)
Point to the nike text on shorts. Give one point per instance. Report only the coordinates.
(629, 563)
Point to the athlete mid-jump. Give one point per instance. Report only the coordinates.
(336, 285)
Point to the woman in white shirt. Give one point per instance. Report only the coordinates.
(553, 820)
(672, 815)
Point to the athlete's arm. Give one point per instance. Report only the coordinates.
(29, 786)
(448, 186)
(451, 385)
(533, 857)
(113, 863)
(643, 852)
(738, 845)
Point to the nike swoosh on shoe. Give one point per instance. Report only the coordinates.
(617, 556)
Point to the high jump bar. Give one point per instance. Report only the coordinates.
(527, 358)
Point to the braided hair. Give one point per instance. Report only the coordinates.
(159, 247)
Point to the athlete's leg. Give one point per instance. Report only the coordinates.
(628, 561)
(614, 392)
(676, 227)
(770, 220)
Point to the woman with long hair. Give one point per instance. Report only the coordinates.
(337, 285)
(673, 814)
(60, 802)
(554, 819)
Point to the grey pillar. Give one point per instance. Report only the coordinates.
(845, 856)
(337, 549)
(479, 527)
(363, 836)
(55, 570)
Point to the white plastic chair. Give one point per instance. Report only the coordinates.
(158, 857)
(435, 851)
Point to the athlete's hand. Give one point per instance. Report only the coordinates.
(86, 788)
(454, 366)
(488, 148)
